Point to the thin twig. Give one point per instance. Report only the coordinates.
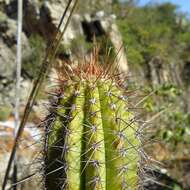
(18, 81)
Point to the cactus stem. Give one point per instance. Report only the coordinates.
(93, 141)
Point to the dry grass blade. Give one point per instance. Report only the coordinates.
(47, 62)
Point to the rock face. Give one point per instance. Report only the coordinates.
(42, 18)
(101, 25)
(7, 42)
(8, 31)
(117, 42)
(24, 153)
(7, 57)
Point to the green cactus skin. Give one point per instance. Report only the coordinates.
(91, 139)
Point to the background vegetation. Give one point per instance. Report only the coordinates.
(162, 32)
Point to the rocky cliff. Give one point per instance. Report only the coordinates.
(41, 18)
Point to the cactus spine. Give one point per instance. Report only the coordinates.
(91, 138)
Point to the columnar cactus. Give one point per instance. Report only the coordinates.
(91, 136)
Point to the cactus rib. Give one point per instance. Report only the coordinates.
(92, 142)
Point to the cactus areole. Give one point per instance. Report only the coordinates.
(91, 140)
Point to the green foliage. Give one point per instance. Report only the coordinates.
(169, 91)
(80, 45)
(158, 30)
(32, 62)
(89, 6)
(154, 30)
(178, 131)
(3, 17)
(106, 49)
(174, 125)
(62, 49)
(5, 112)
(177, 187)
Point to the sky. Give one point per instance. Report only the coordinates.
(184, 4)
